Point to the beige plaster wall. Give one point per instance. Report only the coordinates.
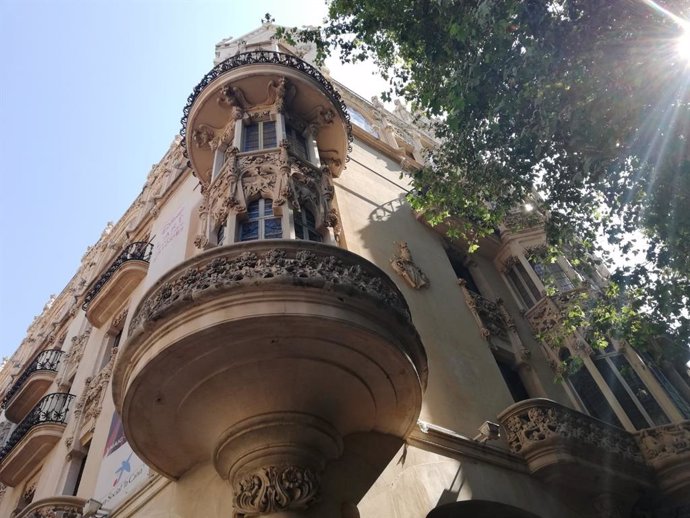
(170, 233)
(416, 481)
(465, 386)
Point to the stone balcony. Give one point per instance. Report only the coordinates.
(548, 313)
(31, 384)
(252, 85)
(54, 507)
(117, 283)
(575, 453)
(261, 357)
(34, 437)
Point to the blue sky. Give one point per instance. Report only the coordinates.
(91, 95)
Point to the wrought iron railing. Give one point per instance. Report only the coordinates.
(139, 251)
(265, 57)
(53, 408)
(46, 361)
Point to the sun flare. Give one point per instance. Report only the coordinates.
(683, 46)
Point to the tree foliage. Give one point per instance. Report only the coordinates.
(585, 100)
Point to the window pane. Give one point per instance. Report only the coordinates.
(268, 208)
(528, 281)
(298, 144)
(299, 229)
(251, 138)
(592, 398)
(269, 134)
(253, 210)
(621, 394)
(220, 236)
(315, 236)
(672, 392)
(249, 230)
(273, 228)
(639, 389)
(514, 279)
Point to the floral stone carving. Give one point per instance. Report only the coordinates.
(571, 449)
(667, 449)
(275, 488)
(246, 265)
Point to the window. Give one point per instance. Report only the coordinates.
(261, 223)
(259, 135)
(461, 272)
(588, 392)
(305, 226)
(553, 274)
(513, 381)
(359, 119)
(630, 391)
(220, 235)
(523, 284)
(297, 142)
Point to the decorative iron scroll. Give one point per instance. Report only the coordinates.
(139, 251)
(53, 408)
(265, 57)
(261, 263)
(46, 361)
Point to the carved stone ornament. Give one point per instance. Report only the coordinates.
(203, 136)
(71, 358)
(664, 442)
(274, 175)
(274, 489)
(540, 421)
(310, 265)
(667, 449)
(486, 313)
(402, 263)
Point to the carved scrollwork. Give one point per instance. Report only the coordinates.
(203, 136)
(274, 489)
(543, 420)
(665, 442)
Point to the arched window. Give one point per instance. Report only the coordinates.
(305, 226)
(260, 223)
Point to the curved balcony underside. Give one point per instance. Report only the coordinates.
(253, 76)
(116, 291)
(266, 336)
(31, 385)
(29, 452)
(31, 391)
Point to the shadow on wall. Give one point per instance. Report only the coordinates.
(479, 509)
(450, 495)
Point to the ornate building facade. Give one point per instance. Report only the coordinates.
(270, 330)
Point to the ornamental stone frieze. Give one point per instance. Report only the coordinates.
(245, 266)
(667, 450)
(572, 450)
